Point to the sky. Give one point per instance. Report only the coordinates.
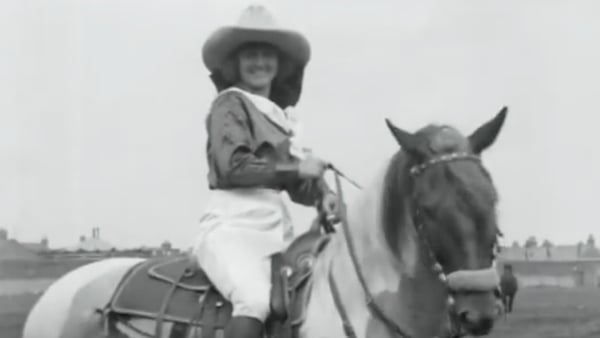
(103, 103)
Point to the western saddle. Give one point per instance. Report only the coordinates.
(177, 297)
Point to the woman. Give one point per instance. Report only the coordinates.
(253, 158)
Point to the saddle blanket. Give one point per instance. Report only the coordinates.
(173, 289)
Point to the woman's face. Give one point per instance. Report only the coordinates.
(258, 65)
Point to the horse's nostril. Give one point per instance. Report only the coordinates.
(475, 325)
(485, 325)
(463, 316)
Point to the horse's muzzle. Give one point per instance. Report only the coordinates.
(476, 313)
(476, 324)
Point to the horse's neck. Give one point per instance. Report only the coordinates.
(405, 289)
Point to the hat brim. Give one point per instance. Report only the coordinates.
(224, 41)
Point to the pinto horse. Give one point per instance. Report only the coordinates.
(414, 255)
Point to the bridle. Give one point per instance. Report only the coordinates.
(451, 281)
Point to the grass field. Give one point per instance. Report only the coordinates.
(539, 313)
(553, 313)
(13, 310)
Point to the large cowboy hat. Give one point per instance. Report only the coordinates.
(255, 24)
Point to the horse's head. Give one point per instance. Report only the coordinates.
(451, 200)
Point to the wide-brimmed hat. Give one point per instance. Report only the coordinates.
(255, 24)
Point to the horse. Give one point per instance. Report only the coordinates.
(509, 287)
(412, 256)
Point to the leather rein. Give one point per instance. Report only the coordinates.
(437, 268)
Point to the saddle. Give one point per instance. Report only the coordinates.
(177, 296)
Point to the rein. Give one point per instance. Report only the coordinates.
(462, 280)
(350, 333)
(340, 173)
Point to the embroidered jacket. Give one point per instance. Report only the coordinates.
(245, 149)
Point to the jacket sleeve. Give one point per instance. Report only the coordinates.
(308, 192)
(231, 146)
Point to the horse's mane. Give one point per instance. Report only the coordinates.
(364, 208)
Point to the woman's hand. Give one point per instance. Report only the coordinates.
(330, 206)
(312, 167)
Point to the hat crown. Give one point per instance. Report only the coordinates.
(257, 17)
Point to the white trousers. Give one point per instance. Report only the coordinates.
(239, 230)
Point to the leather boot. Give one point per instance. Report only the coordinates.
(244, 327)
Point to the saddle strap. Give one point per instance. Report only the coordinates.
(166, 300)
(108, 318)
(161, 315)
(179, 330)
(279, 290)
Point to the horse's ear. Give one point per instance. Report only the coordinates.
(405, 139)
(485, 135)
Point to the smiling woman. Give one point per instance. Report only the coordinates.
(258, 65)
(257, 69)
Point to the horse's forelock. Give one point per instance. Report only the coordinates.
(466, 183)
(463, 185)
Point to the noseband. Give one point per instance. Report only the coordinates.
(462, 280)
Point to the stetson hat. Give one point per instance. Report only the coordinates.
(255, 24)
